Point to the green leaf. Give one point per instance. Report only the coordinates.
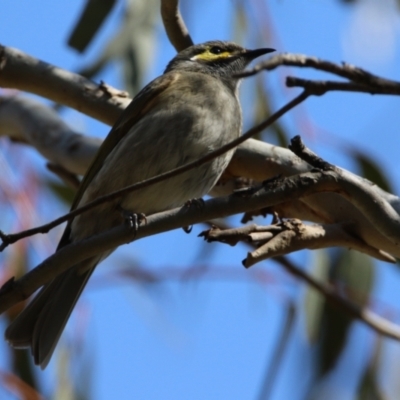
(64, 193)
(372, 171)
(91, 19)
(132, 45)
(353, 274)
(368, 389)
(357, 272)
(369, 385)
(314, 301)
(262, 110)
(240, 23)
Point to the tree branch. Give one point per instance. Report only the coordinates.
(8, 239)
(21, 71)
(374, 321)
(174, 25)
(25, 120)
(348, 71)
(268, 195)
(260, 161)
(289, 236)
(322, 87)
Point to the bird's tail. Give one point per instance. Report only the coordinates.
(40, 324)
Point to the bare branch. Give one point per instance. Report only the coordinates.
(322, 87)
(302, 185)
(360, 193)
(25, 120)
(297, 236)
(345, 70)
(69, 179)
(21, 71)
(289, 236)
(260, 161)
(174, 25)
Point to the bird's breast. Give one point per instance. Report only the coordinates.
(183, 126)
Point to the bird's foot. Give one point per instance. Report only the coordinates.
(187, 229)
(134, 220)
(199, 203)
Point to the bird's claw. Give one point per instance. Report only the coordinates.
(134, 220)
(199, 203)
(187, 229)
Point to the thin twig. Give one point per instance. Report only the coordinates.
(322, 87)
(292, 235)
(377, 323)
(344, 70)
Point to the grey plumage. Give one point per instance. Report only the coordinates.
(184, 114)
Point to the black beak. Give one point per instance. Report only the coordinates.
(252, 54)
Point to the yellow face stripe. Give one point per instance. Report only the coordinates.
(208, 56)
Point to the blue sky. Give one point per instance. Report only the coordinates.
(211, 337)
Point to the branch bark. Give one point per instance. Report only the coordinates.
(347, 71)
(174, 25)
(25, 120)
(21, 71)
(289, 236)
(267, 195)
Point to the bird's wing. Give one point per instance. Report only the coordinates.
(142, 103)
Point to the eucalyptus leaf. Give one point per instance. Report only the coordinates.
(368, 389)
(63, 192)
(353, 275)
(314, 301)
(132, 45)
(372, 171)
(90, 21)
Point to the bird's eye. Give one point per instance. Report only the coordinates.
(216, 50)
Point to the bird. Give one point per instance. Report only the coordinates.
(190, 110)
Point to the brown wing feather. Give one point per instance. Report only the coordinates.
(142, 103)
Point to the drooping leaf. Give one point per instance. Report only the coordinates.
(368, 388)
(356, 271)
(132, 45)
(335, 330)
(372, 171)
(314, 301)
(353, 275)
(240, 23)
(91, 19)
(63, 192)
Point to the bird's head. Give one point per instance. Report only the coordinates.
(216, 58)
